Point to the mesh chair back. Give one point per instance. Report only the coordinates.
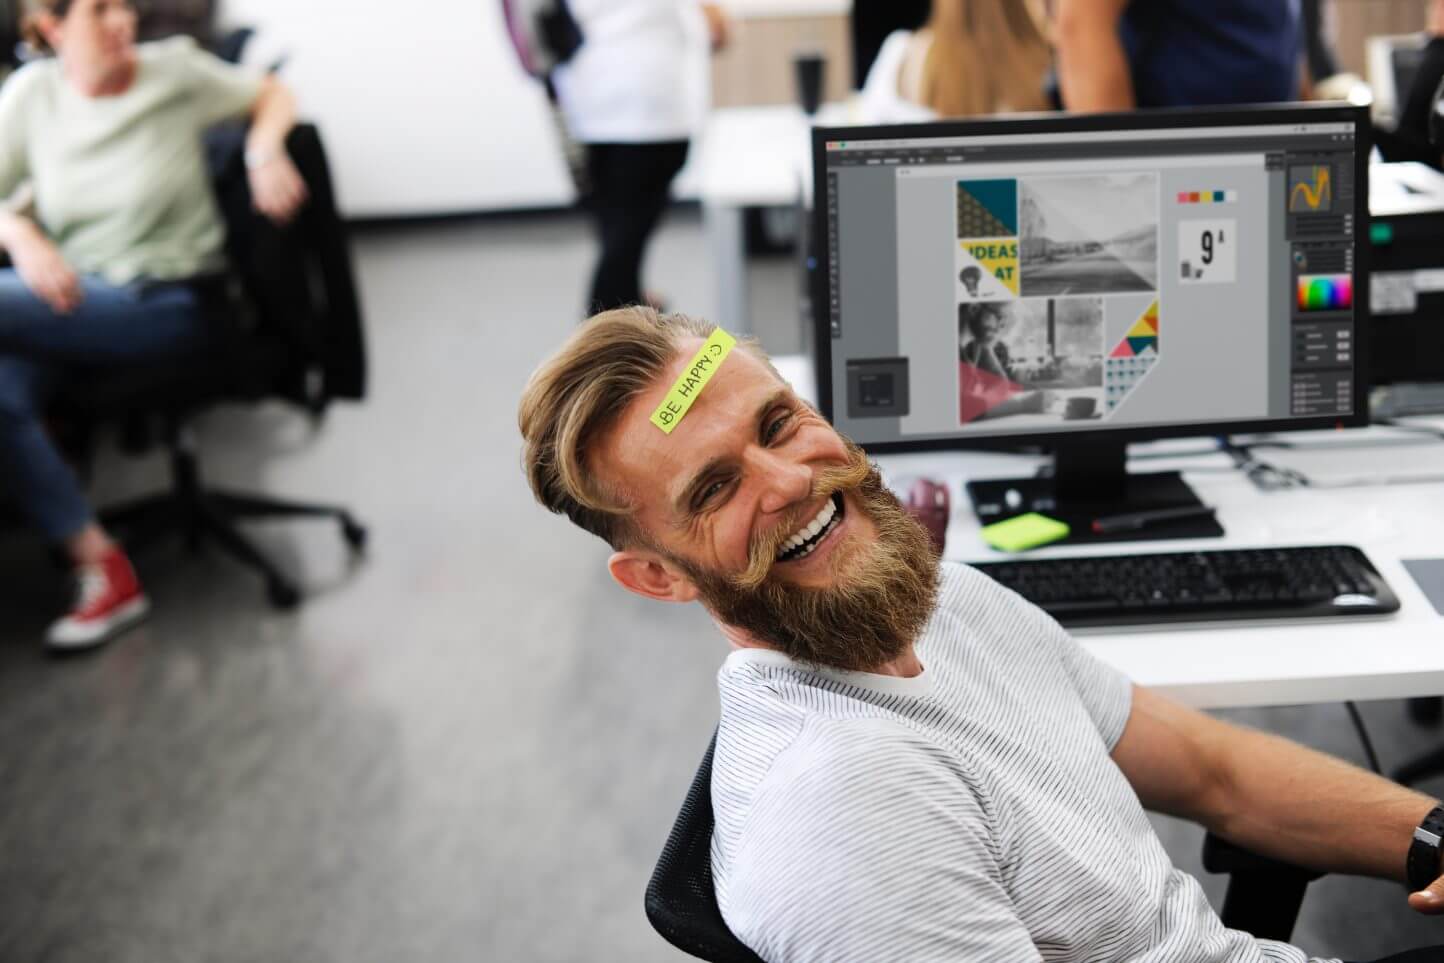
(681, 901)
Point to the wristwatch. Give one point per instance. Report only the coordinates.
(1423, 865)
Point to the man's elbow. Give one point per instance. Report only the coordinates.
(1218, 798)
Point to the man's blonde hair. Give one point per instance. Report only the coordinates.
(578, 393)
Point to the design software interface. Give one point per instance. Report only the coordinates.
(1004, 285)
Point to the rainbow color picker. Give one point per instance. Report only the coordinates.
(1325, 292)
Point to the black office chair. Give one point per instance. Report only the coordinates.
(9, 36)
(681, 901)
(1425, 766)
(160, 19)
(1263, 896)
(289, 327)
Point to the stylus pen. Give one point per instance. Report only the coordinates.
(1136, 520)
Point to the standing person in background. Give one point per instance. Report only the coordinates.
(1117, 54)
(624, 96)
(971, 57)
(111, 270)
(1320, 63)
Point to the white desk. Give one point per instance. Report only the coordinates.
(751, 157)
(1268, 663)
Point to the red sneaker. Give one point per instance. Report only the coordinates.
(108, 600)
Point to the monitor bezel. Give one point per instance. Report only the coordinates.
(1163, 120)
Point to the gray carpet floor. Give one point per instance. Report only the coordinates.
(468, 745)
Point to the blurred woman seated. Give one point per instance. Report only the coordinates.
(125, 233)
(971, 57)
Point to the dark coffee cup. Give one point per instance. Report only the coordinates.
(1079, 408)
(811, 68)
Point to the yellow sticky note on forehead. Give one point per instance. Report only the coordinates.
(700, 369)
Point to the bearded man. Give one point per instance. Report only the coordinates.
(913, 762)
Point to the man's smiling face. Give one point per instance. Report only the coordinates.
(737, 473)
(756, 506)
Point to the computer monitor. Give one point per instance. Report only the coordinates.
(1406, 277)
(1080, 282)
(1391, 62)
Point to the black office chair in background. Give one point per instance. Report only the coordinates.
(1263, 896)
(1425, 766)
(9, 35)
(288, 327)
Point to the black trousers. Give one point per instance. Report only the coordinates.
(629, 193)
(1426, 954)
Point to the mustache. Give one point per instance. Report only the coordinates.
(762, 553)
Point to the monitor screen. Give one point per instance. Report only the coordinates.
(1406, 274)
(1140, 275)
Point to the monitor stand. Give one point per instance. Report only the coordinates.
(1090, 481)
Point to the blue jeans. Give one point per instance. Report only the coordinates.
(113, 327)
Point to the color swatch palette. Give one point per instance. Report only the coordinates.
(1325, 292)
(1207, 197)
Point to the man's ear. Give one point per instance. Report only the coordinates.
(651, 576)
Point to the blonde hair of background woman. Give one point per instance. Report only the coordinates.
(985, 56)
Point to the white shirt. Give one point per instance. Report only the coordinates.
(971, 813)
(629, 81)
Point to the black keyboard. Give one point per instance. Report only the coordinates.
(1212, 586)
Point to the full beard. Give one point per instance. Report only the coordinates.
(883, 591)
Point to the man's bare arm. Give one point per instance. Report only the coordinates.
(1093, 72)
(1268, 794)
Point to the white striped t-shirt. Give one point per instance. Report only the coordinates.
(971, 813)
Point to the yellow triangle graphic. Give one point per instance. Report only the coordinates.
(1147, 324)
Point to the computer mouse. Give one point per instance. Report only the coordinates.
(927, 501)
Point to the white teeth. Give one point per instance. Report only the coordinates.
(823, 520)
(823, 517)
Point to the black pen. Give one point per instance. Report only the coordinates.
(1136, 520)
